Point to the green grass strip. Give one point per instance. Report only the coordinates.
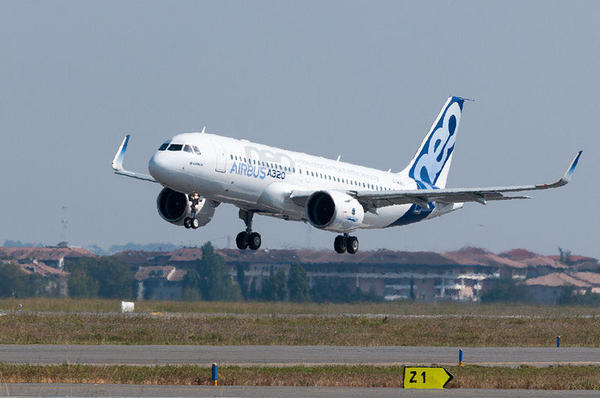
(30, 328)
(548, 378)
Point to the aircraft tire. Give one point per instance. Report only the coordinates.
(352, 244)
(241, 240)
(339, 244)
(195, 224)
(254, 241)
(187, 222)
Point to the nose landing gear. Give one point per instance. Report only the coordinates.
(345, 243)
(247, 239)
(192, 221)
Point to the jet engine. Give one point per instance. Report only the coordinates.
(174, 207)
(334, 211)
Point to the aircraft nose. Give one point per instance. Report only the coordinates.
(157, 166)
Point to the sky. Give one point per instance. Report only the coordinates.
(363, 79)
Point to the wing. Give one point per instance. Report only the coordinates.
(374, 199)
(117, 163)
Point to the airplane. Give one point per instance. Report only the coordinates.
(199, 171)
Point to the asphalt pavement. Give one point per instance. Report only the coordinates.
(294, 355)
(127, 390)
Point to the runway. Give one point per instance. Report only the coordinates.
(294, 355)
(127, 390)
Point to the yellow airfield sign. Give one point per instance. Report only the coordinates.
(425, 377)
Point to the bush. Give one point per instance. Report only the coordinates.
(16, 283)
(103, 277)
(506, 291)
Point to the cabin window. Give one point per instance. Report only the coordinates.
(188, 148)
(163, 146)
(175, 147)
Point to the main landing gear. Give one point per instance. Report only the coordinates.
(343, 243)
(247, 239)
(192, 222)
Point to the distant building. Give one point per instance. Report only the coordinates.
(548, 288)
(160, 283)
(47, 262)
(51, 256)
(462, 275)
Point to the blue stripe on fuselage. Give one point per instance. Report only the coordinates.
(416, 213)
(413, 215)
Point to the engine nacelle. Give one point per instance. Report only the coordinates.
(174, 207)
(334, 211)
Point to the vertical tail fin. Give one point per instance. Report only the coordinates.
(430, 166)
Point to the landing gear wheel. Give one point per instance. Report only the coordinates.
(254, 241)
(339, 244)
(352, 244)
(192, 222)
(241, 240)
(247, 238)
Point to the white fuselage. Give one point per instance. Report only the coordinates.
(259, 178)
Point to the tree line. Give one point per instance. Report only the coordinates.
(206, 279)
(209, 279)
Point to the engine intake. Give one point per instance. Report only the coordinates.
(334, 211)
(174, 207)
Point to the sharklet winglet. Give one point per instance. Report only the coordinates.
(569, 173)
(117, 163)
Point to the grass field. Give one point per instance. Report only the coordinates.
(32, 328)
(95, 321)
(394, 308)
(550, 378)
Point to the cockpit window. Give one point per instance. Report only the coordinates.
(175, 147)
(188, 148)
(197, 150)
(163, 146)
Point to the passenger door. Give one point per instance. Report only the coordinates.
(221, 160)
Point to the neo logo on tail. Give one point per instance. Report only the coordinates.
(434, 155)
